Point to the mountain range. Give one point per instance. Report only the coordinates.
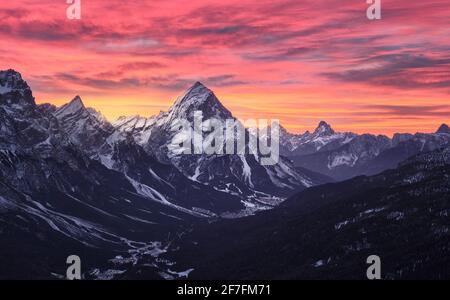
(345, 155)
(72, 182)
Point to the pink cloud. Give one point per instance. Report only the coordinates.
(267, 54)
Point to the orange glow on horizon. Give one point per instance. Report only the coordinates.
(300, 62)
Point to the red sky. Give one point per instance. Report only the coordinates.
(298, 61)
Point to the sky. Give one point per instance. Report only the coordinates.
(297, 61)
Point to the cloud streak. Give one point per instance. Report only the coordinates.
(261, 57)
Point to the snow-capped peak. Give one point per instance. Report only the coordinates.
(70, 108)
(324, 129)
(11, 80)
(443, 129)
(76, 103)
(199, 85)
(198, 98)
(196, 94)
(15, 92)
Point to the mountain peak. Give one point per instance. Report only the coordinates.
(76, 104)
(198, 84)
(70, 108)
(443, 129)
(196, 89)
(77, 101)
(10, 73)
(198, 98)
(15, 92)
(11, 80)
(324, 129)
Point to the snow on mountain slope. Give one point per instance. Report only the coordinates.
(85, 127)
(322, 139)
(137, 126)
(23, 125)
(241, 175)
(11, 81)
(197, 98)
(362, 148)
(368, 154)
(50, 208)
(115, 149)
(73, 131)
(57, 197)
(71, 181)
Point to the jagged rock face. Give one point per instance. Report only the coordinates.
(157, 131)
(17, 113)
(46, 109)
(345, 155)
(240, 175)
(25, 127)
(360, 150)
(198, 98)
(347, 160)
(58, 196)
(138, 127)
(15, 92)
(86, 128)
(324, 129)
(72, 133)
(117, 150)
(322, 139)
(73, 181)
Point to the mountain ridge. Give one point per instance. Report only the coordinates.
(340, 155)
(72, 181)
(241, 179)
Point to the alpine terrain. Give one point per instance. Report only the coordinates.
(119, 197)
